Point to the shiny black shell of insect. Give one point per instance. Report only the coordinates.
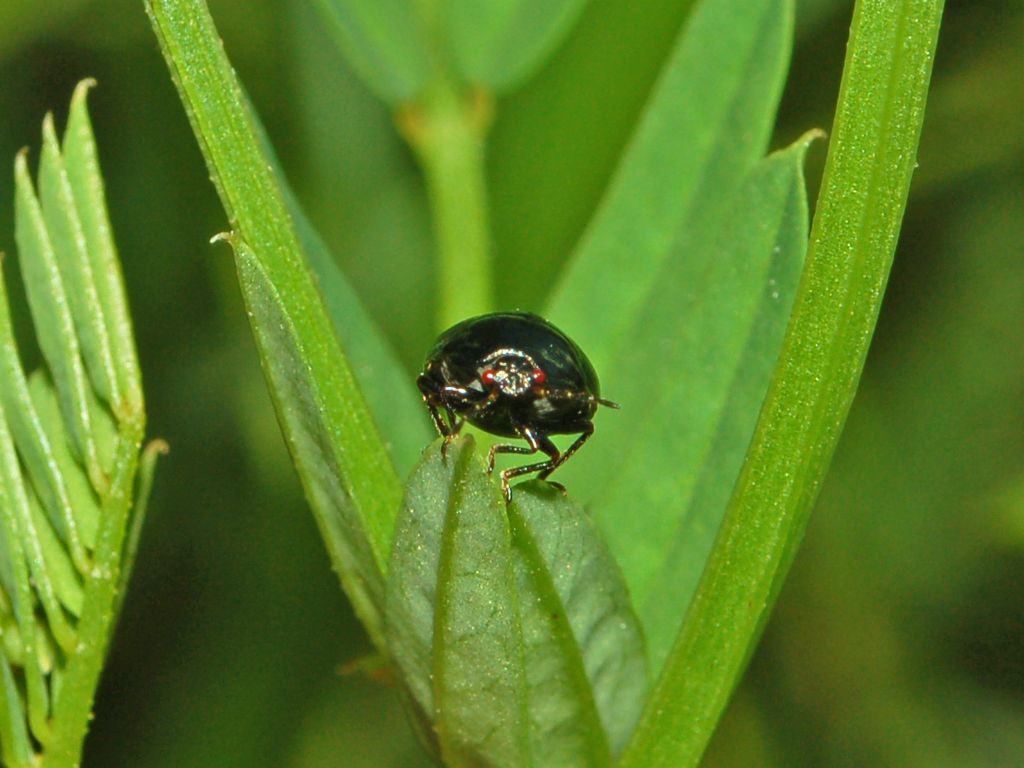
(558, 390)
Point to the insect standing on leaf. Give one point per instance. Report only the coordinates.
(512, 374)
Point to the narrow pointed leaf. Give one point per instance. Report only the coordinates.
(81, 498)
(13, 509)
(664, 300)
(34, 446)
(60, 571)
(69, 442)
(14, 738)
(39, 544)
(389, 388)
(303, 392)
(67, 235)
(81, 160)
(54, 326)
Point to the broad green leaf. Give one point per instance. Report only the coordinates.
(586, 665)
(452, 613)
(389, 388)
(679, 446)
(707, 123)
(498, 43)
(871, 158)
(474, 587)
(339, 454)
(664, 299)
(386, 41)
(400, 46)
(302, 399)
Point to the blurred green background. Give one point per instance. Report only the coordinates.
(899, 638)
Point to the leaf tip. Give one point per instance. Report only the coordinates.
(85, 85)
(25, 188)
(812, 135)
(541, 490)
(21, 161)
(229, 237)
(157, 447)
(49, 131)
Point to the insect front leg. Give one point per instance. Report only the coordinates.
(529, 435)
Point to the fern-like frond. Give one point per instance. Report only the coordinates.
(70, 451)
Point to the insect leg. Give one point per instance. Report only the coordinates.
(530, 438)
(557, 461)
(445, 398)
(435, 401)
(538, 442)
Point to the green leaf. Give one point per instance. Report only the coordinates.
(81, 161)
(14, 738)
(386, 42)
(681, 445)
(302, 399)
(59, 572)
(48, 300)
(34, 446)
(338, 452)
(389, 388)
(452, 612)
(867, 176)
(68, 237)
(14, 510)
(674, 275)
(471, 591)
(499, 43)
(400, 46)
(82, 501)
(586, 665)
(69, 445)
(707, 123)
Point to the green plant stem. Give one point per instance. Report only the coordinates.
(447, 129)
(72, 708)
(867, 176)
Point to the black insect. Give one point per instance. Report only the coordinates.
(512, 374)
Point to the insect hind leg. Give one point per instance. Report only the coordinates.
(538, 442)
(557, 461)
